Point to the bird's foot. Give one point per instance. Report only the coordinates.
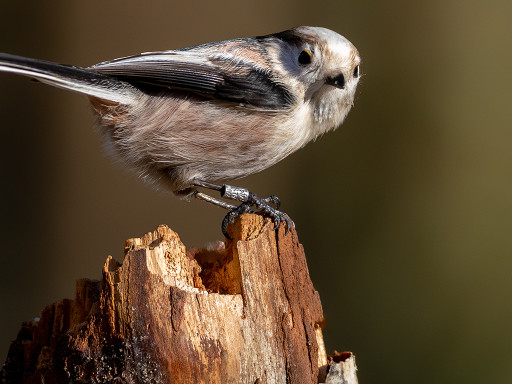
(255, 204)
(250, 203)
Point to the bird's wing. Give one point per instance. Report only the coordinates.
(220, 77)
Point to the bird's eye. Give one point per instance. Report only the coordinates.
(338, 81)
(356, 71)
(305, 57)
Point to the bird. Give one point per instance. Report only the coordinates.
(194, 118)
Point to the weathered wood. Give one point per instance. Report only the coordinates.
(241, 312)
(341, 369)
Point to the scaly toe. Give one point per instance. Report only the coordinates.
(232, 215)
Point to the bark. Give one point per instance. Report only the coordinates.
(243, 311)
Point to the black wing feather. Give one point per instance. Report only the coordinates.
(214, 78)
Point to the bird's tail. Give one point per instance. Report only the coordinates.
(82, 80)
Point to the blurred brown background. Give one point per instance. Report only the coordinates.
(405, 212)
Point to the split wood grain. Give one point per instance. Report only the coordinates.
(243, 311)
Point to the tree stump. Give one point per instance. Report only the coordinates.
(243, 311)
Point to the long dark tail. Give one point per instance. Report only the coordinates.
(82, 80)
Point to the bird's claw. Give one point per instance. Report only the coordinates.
(232, 215)
(284, 217)
(262, 206)
(274, 200)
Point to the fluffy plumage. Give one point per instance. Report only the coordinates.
(217, 111)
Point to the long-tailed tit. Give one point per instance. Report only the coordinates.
(197, 116)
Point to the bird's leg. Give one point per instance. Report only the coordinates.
(213, 200)
(247, 199)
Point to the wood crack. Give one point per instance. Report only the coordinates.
(239, 312)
